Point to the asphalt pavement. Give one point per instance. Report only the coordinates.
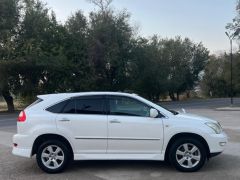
(8, 122)
(201, 103)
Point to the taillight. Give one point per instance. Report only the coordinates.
(22, 116)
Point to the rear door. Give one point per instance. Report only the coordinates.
(84, 119)
(131, 129)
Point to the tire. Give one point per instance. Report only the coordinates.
(187, 154)
(53, 156)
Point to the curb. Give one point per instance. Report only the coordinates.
(228, 109)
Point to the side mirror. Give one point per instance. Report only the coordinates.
(153, 113)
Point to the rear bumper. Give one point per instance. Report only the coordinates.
(22, 152)
(23, 145)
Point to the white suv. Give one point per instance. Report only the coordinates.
(59, 128)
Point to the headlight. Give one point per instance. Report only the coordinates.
(214, 126)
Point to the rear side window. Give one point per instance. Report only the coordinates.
(70, 107)
(81, 105)
(90, 106)
(57, 108)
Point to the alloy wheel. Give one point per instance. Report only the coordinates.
(52, 157)
(188, 155)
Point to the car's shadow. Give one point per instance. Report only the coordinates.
(126, 164)
(222, 162)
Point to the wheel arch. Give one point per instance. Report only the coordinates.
(182, 135)
(45, 137)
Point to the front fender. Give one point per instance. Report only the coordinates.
(171, 131)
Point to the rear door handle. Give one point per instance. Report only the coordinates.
(64, 120)
(115, 121)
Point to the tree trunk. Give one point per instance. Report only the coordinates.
(9, 100)
(172, 96)
(177, 96)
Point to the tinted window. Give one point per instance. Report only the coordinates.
(57, 108)
(128, 106)
(69, 107)
(90, 106)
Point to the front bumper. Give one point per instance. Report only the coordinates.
(214, 154)
(217, 142)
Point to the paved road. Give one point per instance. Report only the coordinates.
(8, 122)
(201, 103)
(224, 166)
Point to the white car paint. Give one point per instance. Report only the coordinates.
(110, 136)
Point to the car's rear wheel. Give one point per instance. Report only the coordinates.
(53, 156)
(187, 154)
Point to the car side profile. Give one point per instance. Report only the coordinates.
(59, 128)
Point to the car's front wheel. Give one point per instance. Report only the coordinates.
(187, 154)
(53, 156)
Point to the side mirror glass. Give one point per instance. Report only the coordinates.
(153, 113)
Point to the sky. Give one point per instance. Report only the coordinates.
(200, 20)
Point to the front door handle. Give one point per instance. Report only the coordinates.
(115, 121)
(64, 120)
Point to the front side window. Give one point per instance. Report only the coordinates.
(128, 107)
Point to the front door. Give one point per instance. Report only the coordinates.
(131, 129)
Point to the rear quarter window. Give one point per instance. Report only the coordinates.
(57, 108)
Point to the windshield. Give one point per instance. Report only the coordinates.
(170, 110)
(166, 109)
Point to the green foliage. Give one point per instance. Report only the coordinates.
(167, 65)
(9, 17)
(216, 79)
(109, 44)
(149, 68)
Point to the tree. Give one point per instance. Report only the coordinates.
(186, 61)
(97, 52)
(76, 50)
(109, 48)
(38, 42)
(215, 82)
(9, 18)
(102, 4)
(149, 68)
(234, 26)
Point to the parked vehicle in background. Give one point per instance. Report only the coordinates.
(59, 128)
